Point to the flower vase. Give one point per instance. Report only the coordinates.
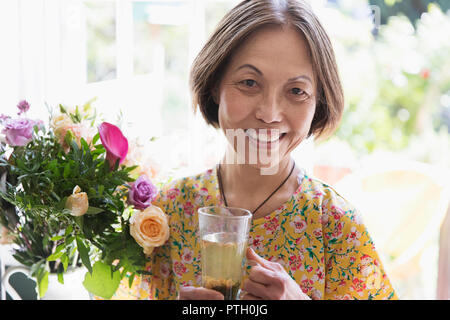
(72, 289)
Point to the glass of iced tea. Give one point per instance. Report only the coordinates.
(223, 240)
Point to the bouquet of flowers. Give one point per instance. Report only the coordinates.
(70, 195)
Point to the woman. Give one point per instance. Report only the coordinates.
(268, 75)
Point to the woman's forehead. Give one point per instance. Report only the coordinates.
(274, 48)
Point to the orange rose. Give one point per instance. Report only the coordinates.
(150, 228)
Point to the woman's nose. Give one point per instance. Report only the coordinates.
(269, 110)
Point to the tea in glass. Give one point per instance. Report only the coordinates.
(223, 241)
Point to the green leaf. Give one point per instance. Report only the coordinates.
(65, 261)
(101, 188)
(42, 282)
(60, 247)
(95, 139)
(55, 256)
(66, 170)
(69, 240)
(69, 230)
(60, 277)
(131, 279)
(62, 109)
(36, 267)
(100, 282)
(94, 210)
(69, 137)
(45, 241)
(84, 254)
(79, 221)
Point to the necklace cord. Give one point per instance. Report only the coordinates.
(223, 193)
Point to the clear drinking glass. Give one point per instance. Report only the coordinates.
(223, 240)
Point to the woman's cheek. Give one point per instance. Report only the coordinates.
(235, 106)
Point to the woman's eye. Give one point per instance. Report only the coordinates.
(249, 83)
(299, 94)
(297, 91)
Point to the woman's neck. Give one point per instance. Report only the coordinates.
(245, 186)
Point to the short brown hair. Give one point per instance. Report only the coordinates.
(237, 25)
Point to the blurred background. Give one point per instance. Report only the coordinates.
(390, 156)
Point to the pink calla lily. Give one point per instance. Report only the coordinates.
(114, 141)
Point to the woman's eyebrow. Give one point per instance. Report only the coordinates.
(300, 77)
(260, 73)
(251, 67)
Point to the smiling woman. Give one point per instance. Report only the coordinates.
(268, 77)
(256, 93)
(238, 25)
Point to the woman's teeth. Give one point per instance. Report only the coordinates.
(263, 136)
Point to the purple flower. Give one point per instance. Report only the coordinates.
(142, 193)
(23, 107)
(18, 131)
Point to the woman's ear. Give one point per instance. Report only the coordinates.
(215, 95)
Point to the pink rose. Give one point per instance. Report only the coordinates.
(142, 193)
(18, 132)
(78, 130)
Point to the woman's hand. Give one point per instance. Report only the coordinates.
(269, 281)
(198, 293)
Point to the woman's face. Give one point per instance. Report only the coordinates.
(269, 87)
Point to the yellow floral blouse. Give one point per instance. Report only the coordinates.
(316, 235)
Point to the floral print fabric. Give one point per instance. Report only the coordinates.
(317, 236)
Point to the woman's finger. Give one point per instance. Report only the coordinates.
(262, 275)
(249, 296)
(253, 257)
(198, 293)
(255, 288)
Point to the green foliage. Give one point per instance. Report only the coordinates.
(36, 181)
(102, 281)
(402, 77)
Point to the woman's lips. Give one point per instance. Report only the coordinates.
(265, 144)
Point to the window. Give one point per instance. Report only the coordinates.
(133, 56)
